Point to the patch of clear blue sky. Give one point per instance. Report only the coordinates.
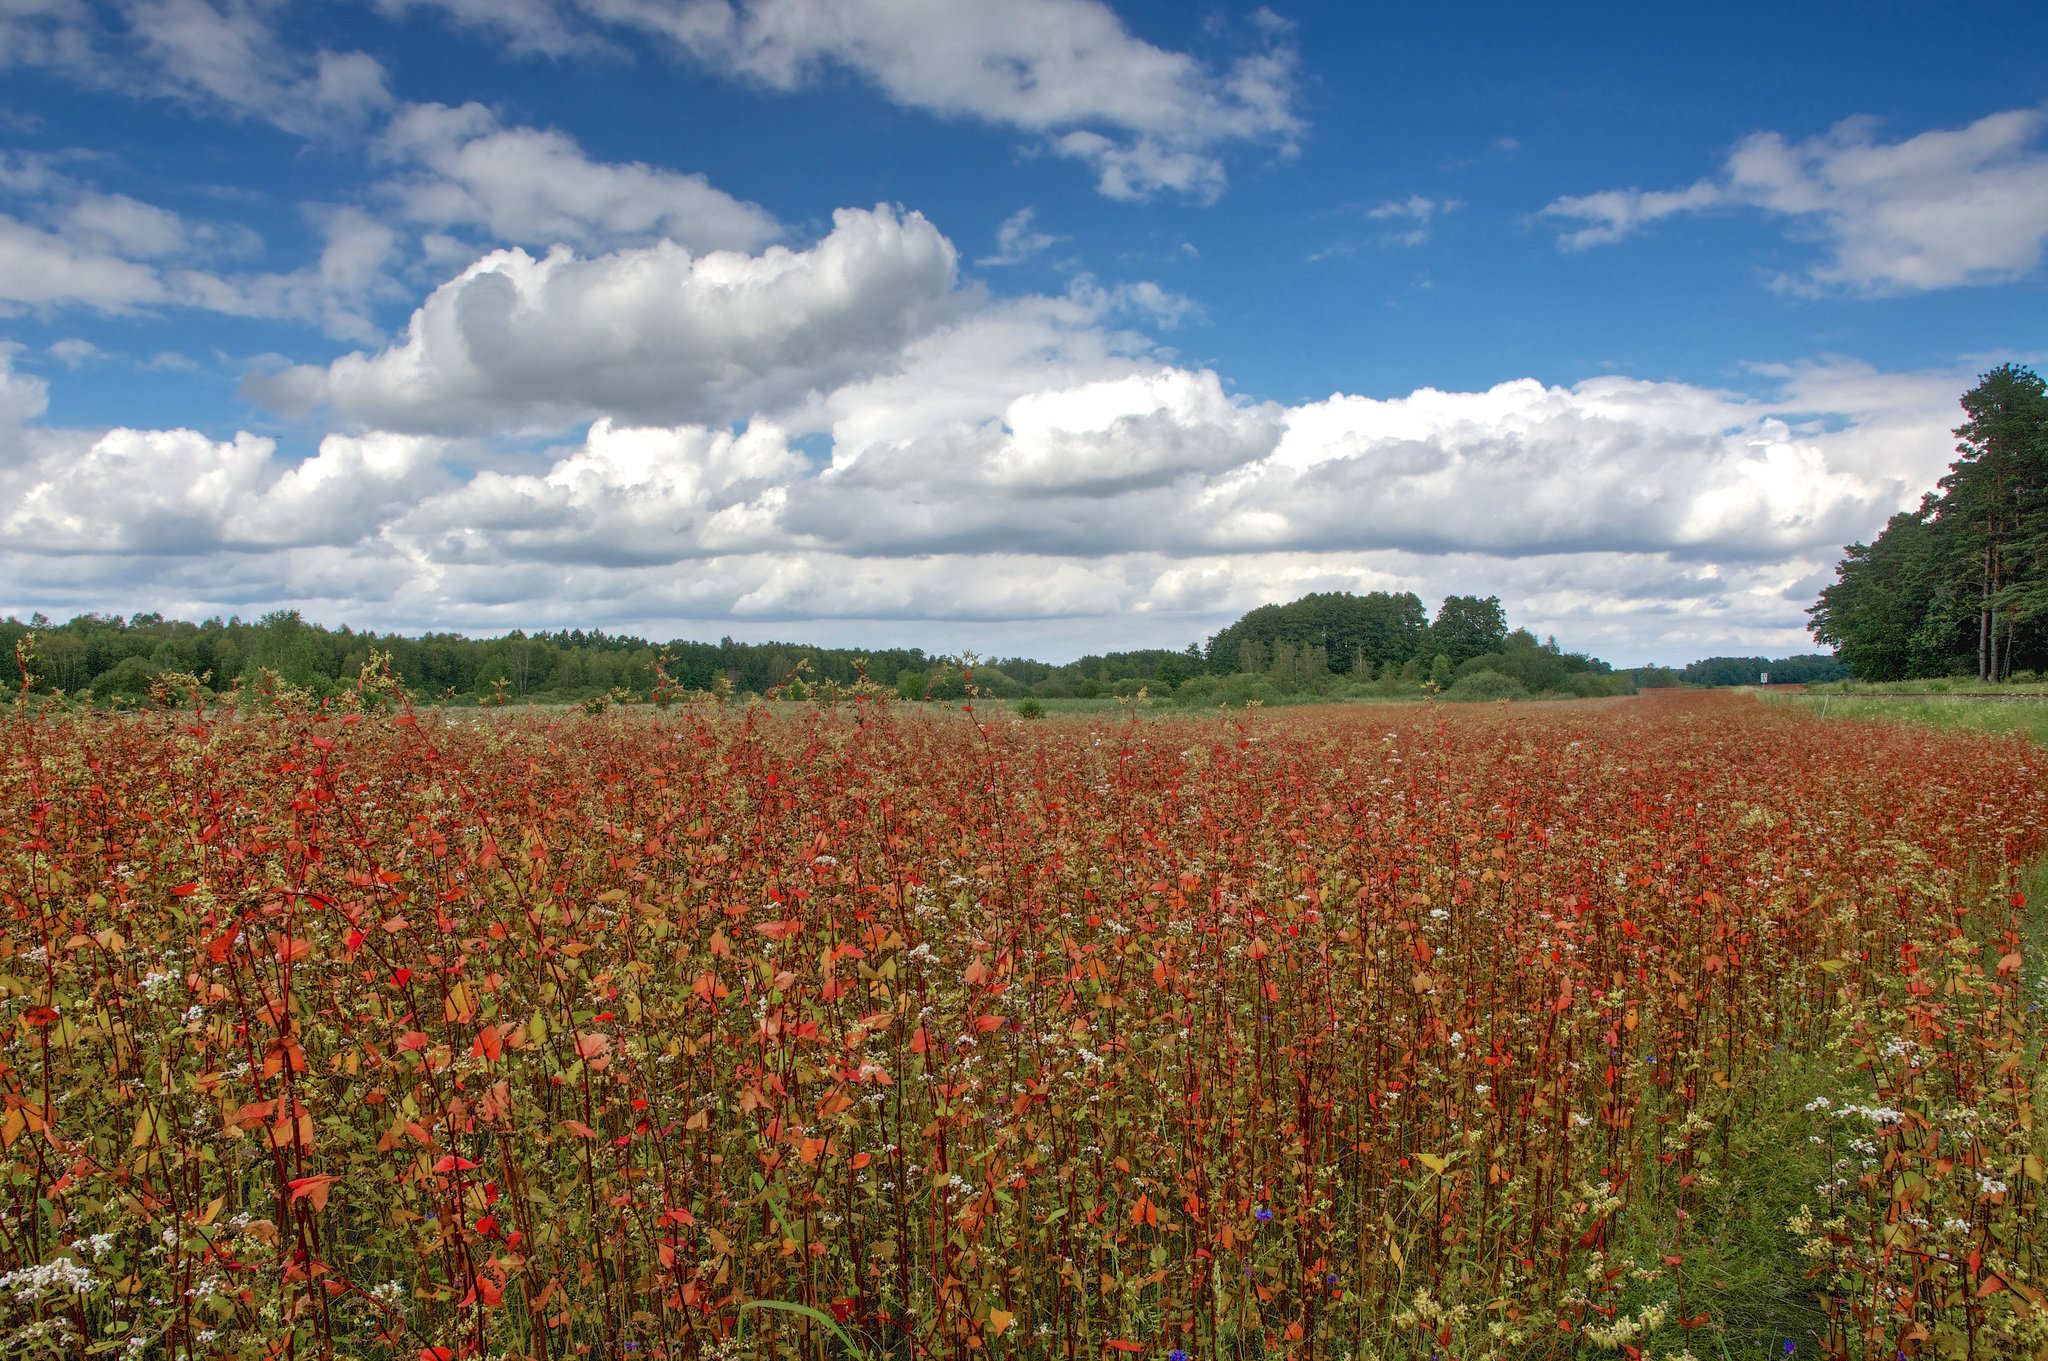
(1400, 101)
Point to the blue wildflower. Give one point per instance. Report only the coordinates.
(1264, 1214)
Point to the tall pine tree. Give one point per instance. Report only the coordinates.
(1961, 584)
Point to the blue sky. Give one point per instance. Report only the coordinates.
(1041, 326)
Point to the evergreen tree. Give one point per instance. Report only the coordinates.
(1961, 584)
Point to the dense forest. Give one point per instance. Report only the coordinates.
(1326, 644)
(1959, 586)
(1808, 669)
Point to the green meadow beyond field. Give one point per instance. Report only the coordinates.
(1673, 1026)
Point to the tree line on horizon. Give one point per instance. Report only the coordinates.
(1959, 585)
(1332, 644)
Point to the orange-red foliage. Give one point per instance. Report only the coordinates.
(416, 1036)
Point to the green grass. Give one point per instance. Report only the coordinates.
(2027, 684)
(1950, 711)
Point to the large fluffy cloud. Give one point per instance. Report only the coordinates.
(1946, 207)
(1164, 462)
(1649, 519)
(178, 493)
(626, 497)
(651, 335)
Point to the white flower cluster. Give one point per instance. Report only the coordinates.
(1877, 1115)
(1624, 1329)
(61, 1276)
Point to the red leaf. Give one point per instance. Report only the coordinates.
(490, 1288)
(313, 1189)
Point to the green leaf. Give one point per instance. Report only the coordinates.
(824, 1319)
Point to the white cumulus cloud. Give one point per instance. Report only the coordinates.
(650, 335)
(178, 492)
(628, 496)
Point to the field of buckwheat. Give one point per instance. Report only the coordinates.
(1658, 1028)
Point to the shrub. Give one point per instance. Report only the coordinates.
(998, 683)
(1232, 690)
(1030, 708)
(128, 678)
(1486, 685)
(1596, 685)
